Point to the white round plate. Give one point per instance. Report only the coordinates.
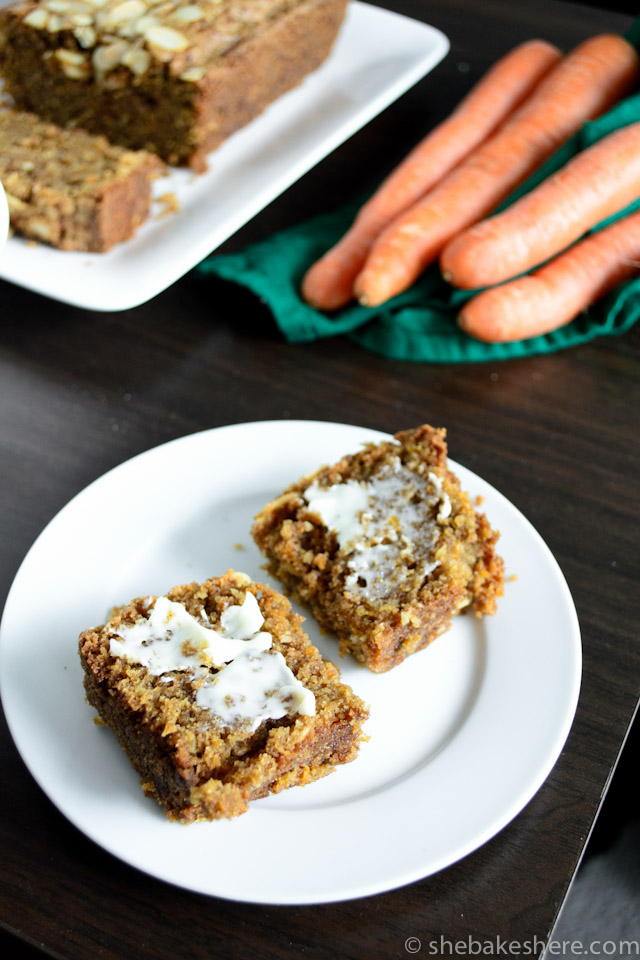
(461, 735)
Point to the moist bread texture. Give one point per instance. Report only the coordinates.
(192, 762)
(175, 77)
(422, 553)
(70, 189)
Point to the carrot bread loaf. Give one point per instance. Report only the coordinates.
(70, 189)
(218, 697)
(384, 547)
(172, 76)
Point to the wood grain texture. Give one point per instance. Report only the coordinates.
(82, 392)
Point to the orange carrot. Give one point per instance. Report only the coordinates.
(556, 293)
(329, 283)
(594, 185)
(583, 85)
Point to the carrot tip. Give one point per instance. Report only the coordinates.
(462, 322)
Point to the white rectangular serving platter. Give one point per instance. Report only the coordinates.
(377, 57)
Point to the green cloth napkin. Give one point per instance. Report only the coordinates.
(419, 324)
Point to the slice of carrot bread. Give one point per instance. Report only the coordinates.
(384, 547)
(218, 697)
(175, 77)
(70, 189)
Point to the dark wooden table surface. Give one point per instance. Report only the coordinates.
(82, 392)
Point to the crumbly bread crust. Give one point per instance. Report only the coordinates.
(175, 77)
(70, 189)
(193, 766)
(304, 556)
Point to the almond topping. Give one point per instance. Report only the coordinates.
(106, 57)
(57, 6)
(166, 38)
(192, 75)
(37, 18)
(189, 14)
(140, 26)
(137, 61)
(81, 19)
(74, 72)
(70, 56)
(86, 36)
(128, 10)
